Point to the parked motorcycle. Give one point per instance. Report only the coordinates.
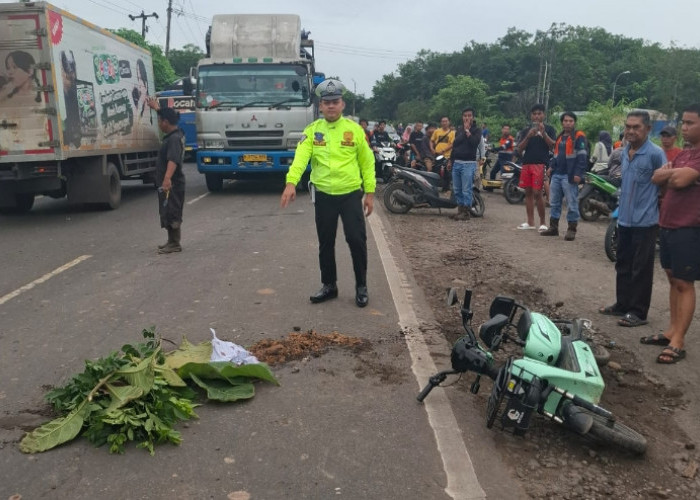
(610, 243)
(487, 183)
(511, 182)
(557, 377)
(597, 197)
(410, 188)
(384, 159)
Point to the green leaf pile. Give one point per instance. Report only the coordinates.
(139, 394)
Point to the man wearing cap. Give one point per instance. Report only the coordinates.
(342, 173)
(169, 176)
(668, 142)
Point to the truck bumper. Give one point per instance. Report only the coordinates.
(229, 162)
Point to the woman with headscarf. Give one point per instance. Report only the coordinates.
(602, 150)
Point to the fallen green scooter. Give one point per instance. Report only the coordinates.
(557, 377)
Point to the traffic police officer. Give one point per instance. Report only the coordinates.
(342, 174)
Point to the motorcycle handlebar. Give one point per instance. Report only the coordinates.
(433, 382)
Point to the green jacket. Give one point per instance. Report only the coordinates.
(341, 159)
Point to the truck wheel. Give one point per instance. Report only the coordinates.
(215, 182)
(114, 187)
(24, 202)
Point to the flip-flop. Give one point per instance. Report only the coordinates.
(525, 225)
(542, 228)
(631, 320)
(656, 339)
(610, 311)
(670, 355)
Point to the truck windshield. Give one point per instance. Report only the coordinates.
(252, 85)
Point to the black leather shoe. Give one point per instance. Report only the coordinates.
(326, 292)
(361, 297)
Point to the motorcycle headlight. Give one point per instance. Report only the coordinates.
(507, 168)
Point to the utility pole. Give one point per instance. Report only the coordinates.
(143, 17)
(167, 31)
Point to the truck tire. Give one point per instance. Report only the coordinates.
(215, 182)
(114, 187)
(23, 204)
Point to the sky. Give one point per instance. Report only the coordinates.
(361, 40)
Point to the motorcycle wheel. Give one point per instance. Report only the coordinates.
(588, 212)
(511, 192)
(611, 241)
(478, 207)
(617, 434)
(391, 203)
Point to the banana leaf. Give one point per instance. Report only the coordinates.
(224, 370)
(221, 390)
(56, 432)
(188, 353)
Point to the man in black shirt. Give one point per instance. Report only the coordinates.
(169, 176)
(415, 140)
(537, 141)
(464, 152)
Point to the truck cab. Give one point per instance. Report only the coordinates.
(254, 96)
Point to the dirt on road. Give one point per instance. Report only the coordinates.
(563, 280)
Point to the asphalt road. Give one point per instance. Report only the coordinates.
(76, 284)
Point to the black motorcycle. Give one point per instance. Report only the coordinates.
(510, 176)
(410, 188)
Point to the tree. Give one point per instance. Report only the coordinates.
(185, 58)
(162, 70)
(460, 91)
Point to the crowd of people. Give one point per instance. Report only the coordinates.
(659, 196)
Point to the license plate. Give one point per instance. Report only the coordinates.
(255, 158)
(506, 176)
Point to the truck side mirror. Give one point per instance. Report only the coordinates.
(187, 86)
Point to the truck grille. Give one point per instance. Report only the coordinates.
(255, 138)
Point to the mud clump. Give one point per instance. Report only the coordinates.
(300, 345)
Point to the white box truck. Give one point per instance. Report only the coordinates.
(254, 96)
(73, 114)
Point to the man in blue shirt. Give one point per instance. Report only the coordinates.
(638, 223)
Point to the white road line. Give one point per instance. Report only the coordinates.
(197, 199)
(462, 482)
(44, 278)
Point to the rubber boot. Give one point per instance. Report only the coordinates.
(170, 239)
(174, 245)
(462, 213)
(571, 231)
(456, 216)
(553, 228)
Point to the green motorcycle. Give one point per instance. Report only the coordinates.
(557, 377)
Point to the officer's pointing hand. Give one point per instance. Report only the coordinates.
(288, 195)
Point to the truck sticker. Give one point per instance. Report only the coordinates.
(117, 114)
(105, 67)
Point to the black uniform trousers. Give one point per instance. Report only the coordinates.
(636, 247)
(349, 208)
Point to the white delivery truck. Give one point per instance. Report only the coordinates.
(73, 114)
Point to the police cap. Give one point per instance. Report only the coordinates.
(329, 90)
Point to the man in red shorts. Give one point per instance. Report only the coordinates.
(680, 237)
(537, 141)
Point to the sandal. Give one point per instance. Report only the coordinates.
(670, 355)
(657, 339)
(525, 226)
(610, 311)
(631, 320)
